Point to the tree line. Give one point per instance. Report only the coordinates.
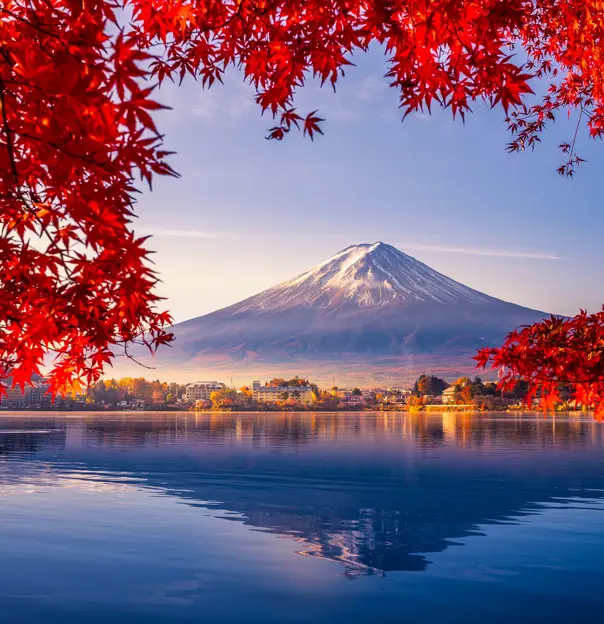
(114, 391)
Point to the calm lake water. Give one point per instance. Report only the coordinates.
(301, 518)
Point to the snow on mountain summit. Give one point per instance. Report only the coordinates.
(365, 275)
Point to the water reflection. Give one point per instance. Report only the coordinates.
(376, 492)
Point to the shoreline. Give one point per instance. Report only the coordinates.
(429, 412)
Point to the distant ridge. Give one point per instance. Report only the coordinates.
(368, 308)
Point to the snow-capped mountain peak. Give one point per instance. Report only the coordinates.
(365, 275)
(370, 312)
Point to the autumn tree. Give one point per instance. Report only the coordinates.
(429, 385)
(324, 399)
(279, 382)
(466, 394)
(276, 382)
(78, 131)
(226, 397)
(298, 382)
(462, 382)
(112, 391)
(415, 402)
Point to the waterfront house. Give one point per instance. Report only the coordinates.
(201, 390)
(449, 396)
(273, 394)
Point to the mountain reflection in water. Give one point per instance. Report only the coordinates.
(376, 492)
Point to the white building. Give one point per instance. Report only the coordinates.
(201, 390)
(272, 394)
(449, 396)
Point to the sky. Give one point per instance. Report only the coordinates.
(248, 213)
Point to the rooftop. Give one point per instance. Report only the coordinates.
(205, 383)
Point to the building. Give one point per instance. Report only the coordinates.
(201, 390)
(272, 394)
(449, 396)
(404, 392)
(15, 395)
(396, 396)
(349, 396)
(35, 396)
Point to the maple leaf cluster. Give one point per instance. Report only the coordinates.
(78, 129)
(75, 129)
(557, 354)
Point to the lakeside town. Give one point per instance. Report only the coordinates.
(278, 394)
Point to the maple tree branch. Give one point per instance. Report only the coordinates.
(28, 23)
(259, 13)
(12, 159)
(206, 29)
(130, 357)
(54, 35)
(7, 131)
(87, 158)
(572, 147)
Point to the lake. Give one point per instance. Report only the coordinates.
(277, 518)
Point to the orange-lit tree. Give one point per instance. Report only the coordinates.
(77, 132)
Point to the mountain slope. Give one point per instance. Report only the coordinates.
(368, 305)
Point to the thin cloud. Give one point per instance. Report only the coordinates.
(226, 105)
(184, 233)
(473, 251)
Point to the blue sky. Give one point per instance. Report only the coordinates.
(248, 213)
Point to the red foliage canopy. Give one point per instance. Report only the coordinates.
(77, 127)
(554, 354)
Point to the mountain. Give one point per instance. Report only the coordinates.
(368, 313)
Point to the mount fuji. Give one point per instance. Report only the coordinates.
(370, 313)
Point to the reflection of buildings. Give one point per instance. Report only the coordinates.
(377, 492)
(38, 436)
(454, 430)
